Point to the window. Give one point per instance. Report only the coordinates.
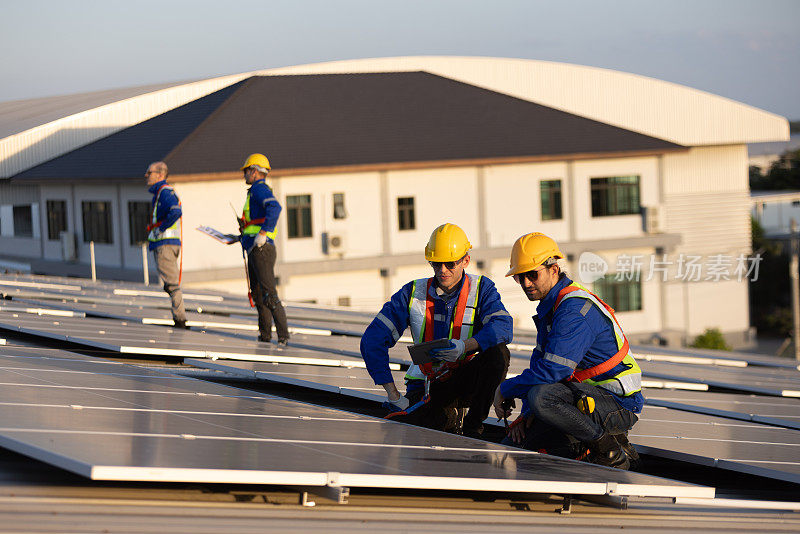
(23, 221)
(56, 219)
(139, 213)
(405, 213)
(622, 295)
(298, 215)
(96, 221)
(339, 212)
(550, 191)
(616, 195)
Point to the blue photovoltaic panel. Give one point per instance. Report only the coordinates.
(110, 421)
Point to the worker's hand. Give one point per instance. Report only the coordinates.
(502, 408)
(396, 405)
(516, 430)
(451, 353)
(261, 239)
(156, 233)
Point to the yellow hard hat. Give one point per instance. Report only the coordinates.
(530, 251)
(256, 159)
(447, 243)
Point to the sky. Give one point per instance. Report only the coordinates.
(744, 50)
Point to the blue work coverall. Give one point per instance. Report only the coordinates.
(579, 336)
(474, 382)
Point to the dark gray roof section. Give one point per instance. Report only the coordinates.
(344, 119)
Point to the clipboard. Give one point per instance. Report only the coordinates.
(420, 353)
(228, 239)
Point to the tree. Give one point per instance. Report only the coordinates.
(784, 173)
(711, 339)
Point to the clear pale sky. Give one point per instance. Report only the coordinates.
(744, 50)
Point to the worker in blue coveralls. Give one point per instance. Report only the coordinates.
(464, 308)
(164, 236)
(582, 390)
(259, 227)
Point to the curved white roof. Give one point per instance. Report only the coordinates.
(660, 109)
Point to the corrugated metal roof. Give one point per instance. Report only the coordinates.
(346, 119)
(19, 115)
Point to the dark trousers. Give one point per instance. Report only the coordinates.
(560, 428)
(261, 270)
(473, 385)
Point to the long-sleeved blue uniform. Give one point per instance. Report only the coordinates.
(493, 324)
(168, 211)
(586, 339)
(262, 204)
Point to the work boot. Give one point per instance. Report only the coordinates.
(283, 342)
(633, 455)
(181, 324)
(608, 452)
(265, 339)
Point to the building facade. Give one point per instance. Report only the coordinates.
(663, 212)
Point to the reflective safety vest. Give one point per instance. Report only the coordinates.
(173, 232)
(628, 381)
(421, 321)
(253, 226)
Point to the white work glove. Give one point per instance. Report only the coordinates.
(156, 233)
(451, 353)
(395, 405)
(261, 239)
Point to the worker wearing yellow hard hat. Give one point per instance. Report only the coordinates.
(582, 391)
(465, 314)
(259, 227)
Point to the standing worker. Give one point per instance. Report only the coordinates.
(259, 228)
(583, 387)
(464, 308)
(164, 235)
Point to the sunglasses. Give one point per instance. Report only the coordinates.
(531, 276)
(449, 264)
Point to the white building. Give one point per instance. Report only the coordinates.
(622, 166)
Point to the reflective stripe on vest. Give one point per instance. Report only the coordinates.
(173, 232)
(421, 319)
(253, 226)
(624, 383)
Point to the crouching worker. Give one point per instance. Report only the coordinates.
(464, 308)
(582, 390)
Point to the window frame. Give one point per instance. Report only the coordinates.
(339, 206)
(134, 228)
(554, 196)
(56, 224)
(406, 214)
(298, 216)
(616, 196)
(92, 220)
(610, 290)
(17, 215)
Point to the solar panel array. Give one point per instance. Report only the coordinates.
(747, 433)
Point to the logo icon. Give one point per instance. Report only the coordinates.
(591, 267)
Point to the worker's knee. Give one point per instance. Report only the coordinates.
(272, 301)
(542, 398)
(171, 288)
(495, 359)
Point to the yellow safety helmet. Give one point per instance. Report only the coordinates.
(530, 251)
(256, 159)
(447, 243)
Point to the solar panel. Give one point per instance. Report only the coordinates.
(745, 447)
(763, 380)
(777, 411)
(129, 423)
(661, 432)
(133, 338)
